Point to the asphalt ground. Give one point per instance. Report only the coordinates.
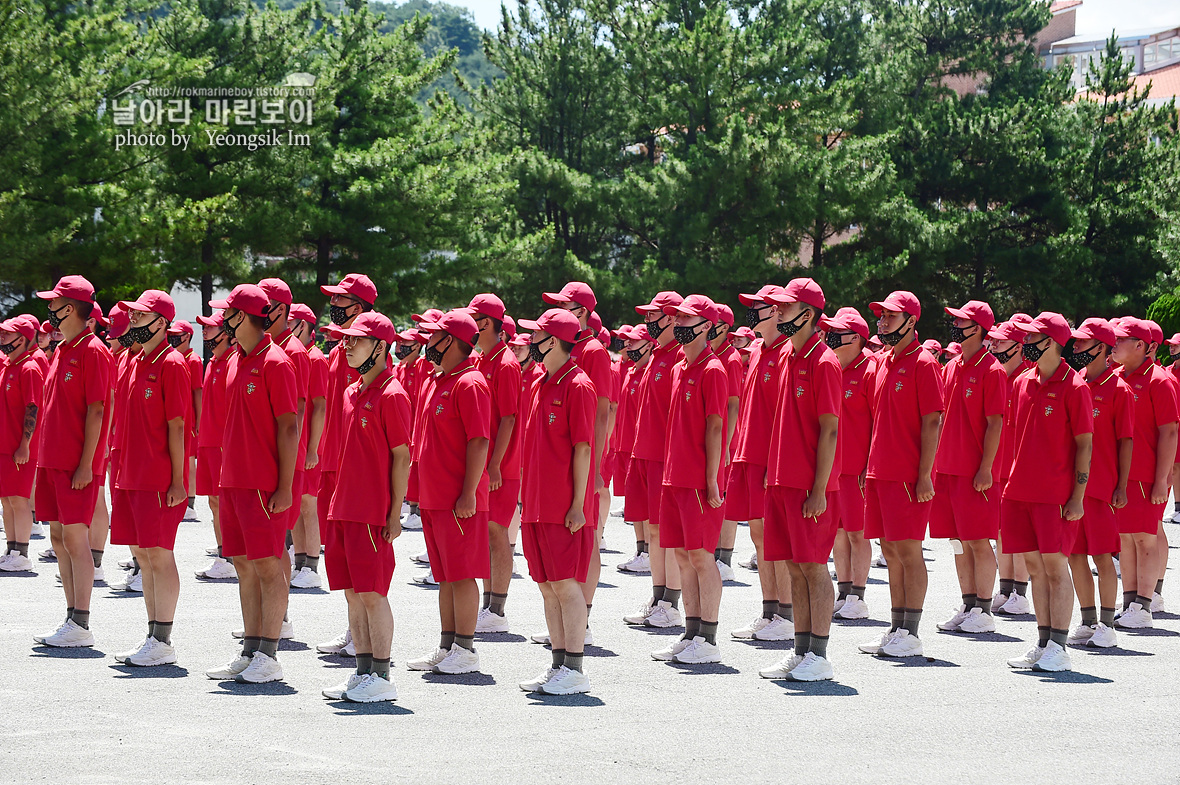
(959, 714)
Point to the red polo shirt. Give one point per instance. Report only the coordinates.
(856, 418)
(655, 396)
(120, 379)
(159, 391)
(594, 360)
(340, 375)
(79, 375)
(562, 416)
(759, 398)
(628, 410)
(317, 383)
(212, 425)
(975, 388)
(23, 385)
(458, 408)
(1114, 419)
(375, 421)
(302, 363)
(1007, 439)
(41, 359)
(1045, 419)
(906, 389)
(698, 390)
(502, 373)
(196, 370)
(811, 385)
(259, 387)
(1155, 405)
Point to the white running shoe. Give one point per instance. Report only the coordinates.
(746, 633)
(336, 691)
(372, 689)
(15, 562)
(1135, 617)
(1028, 660)
(488, 622)
(413, 522)
(1054, 659)
(261, 670)
(152, 654)
(854, 608)
(1017, 605)
(534, 685)
(566, 681)
(698, 652)
(70, 636)
(428, 662)
(306, 578)
(38, 530)
(640, 616)
(208, 552)
(812, 668)
(123, 656)
(541, 638)
(426, 579)
(286, 632)
(349, 650)
(218, 570)
(664, 615)
(781, 668)
(131, 583)
(838, 604)
(588, 639)
(903, 645)
(5, 557)
(725, 571)
(406, 508)
(99, 575)
(779, 629)
(1103, 638)
(336, 645)
(231, 670)
(190, 516)
(878, 646)
(48, 554)
(952, 624)
(750, 563)
(669, 652)
(998, 600)
(880, 562)
(421, 558)
(126, 564)
(978, 622)
(639, 564)
(458, 661)
(1118, 567)
(1157, 603)
(1081, 634)
(43, 636)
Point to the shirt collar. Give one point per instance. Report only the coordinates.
(810, 345)
(562, 372)
(82, 336)
(163, 348)
(458, 369)
(977, 358)
(260, 348)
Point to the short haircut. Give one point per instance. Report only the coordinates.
(257, 321)
(497, 324)
(566, 346)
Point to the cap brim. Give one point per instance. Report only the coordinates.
(751, 299)
(50, 295)
(219, 305)
(553, 298)
(135, 305)
(207, 321)
(333, 290)
(646, 309)
(528, 324)
(958, 313)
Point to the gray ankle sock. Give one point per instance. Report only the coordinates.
(769, 608)
(724, 555)
(446, 641)
(380, 667)
(843, 589)
(858, 591)
(786, 611)
(1058, 636)
(672, 597)
(269, 647)
(300, 560)
(819, 646)
(497, 603)
(558, 658)
(162, 631)
(692, 627)
(97, 556)
(802, 642)
(364, 663)
(708, 631)
(81, 618)
(249, 646)
(1089, 616)
(573, 661)
(984, 605)
(1106, 616)
(912, 618)
(465, 642)
(311, 562)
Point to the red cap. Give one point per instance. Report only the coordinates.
(1051, 324)
(520, 339)
(245, 297)
(120, 321)
(932, 345)
(623, 332)
(695, 305)
(153, 301)
(46, 327)
(559, 323)
(180, 326)
(371, 325)
(900, 301)
(800, 290)
(332, 331)
(760, 297)
(1020, 318)
(509, 326)
(1097, 330)
(458, 323)
(954, 349)
(303, 313)
(875, 341)
(658, 303)
(487, 305)
(1130, 327)
(277, 290)
(746, 332)
(96, 315)
(1006, 331)
(18, 325)
(846, 319)
(603, 336)
(594, 322)
(1173, 341)
(73, 286)
(429, 315)
(725, 314)
(216, 320)
(977, 311)
(1157, 332)
(354, 285)
(573, 292)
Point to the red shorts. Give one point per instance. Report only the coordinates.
(1098, 532)
(114, 462)
(745, 496)
(324, 501)
(143, 519)
(247, 529)
(458, 549)
(687, 521)
(1034, 526)
(788, 536)
(959, 512)
(608, 468)
(893, 513)
(208, 471)
(357, 557)
(411, 484)
(554, 554)
(622, 469)
(850, 513)
(502, 502)
(1140, 516)
(292, 512)
(57, 501)
(311, 481)
(16, 481)
(644, 491)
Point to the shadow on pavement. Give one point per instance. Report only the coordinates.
(462, 679)
(541, 699)
(81, 653)
(766, 645)
(707, 669)
(1065, 677)
(349, 709)
(242, 688)
(1116, 651)
(337, 661)
(859, 622)
(156, 672)
(990, 637)
(916, 662)
(1151, 632)
(23, 574)
(286, 644)
(823, 689)
(500, 637)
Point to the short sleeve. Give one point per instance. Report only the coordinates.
(1124, 411)
(715, 388)
(929, 387)
(995, 392)
(32, 384)
(396, 413)
(582, 404)
(507, 393)
(98, 375)
(280, 386)
(598, 369)
(177, 390)
(829, 387)
(475, 406)
(1163, 401)
(195, 369)
(317, 386)
(1081, 409)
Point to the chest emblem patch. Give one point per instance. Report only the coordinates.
(250, 388)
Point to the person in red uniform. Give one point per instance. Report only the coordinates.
(690, 504)
(1053, 421)
(722, 346)
(907, 407)
(411, 371)
(1152, 459)
(22, 383)
(847, 334)
(100, 525)
(72, 453)
(149, 495)
(451, 450)
(1173, 368)
(745, 497)
(966, 506)
(638, 346)
(258, 450)
(306, 535)
(1106, 492)
(210, 432)
(558, 501)
(802, 478)
(645, 476)
(502, 373)
(180, 336)
(364, 517)
(1157, 600)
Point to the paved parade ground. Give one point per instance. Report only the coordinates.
(957, 715)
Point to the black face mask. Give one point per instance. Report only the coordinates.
(894, 338)
(267, 321)
(754, 316)
(654, 329)
(404, 351)
(53, 318)
(215, 341)
(1004, 357)
(329, 346)
(958, 334)
(636, 354)
(790, 328)
(232, 329)
(1033, 351)
(175, 340)
(616, 345)
(687, 334)
(434, 354)
(714, 331)
(338, 314)
(125, 340)
(370, 363)
(834, 340)
(142, 335)
(8, 348)
(52, 347)
(536, 354)
(1079, 360)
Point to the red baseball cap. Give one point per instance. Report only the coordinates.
(180, 326)
(487, 305)
(354, 285)
(1097, 330)
(594, 322)
(695, 305)
(1020, 318)
(932, 345)
(1006, 331)
(96, 315)
(73, 286)
(623, 332)
(153, 301)
(603, 336)
(520, 339)
(412, 336)
(429, 315)
(800, 290)
(725, 314)
(216, 320)
(332, 331)
(900, 301)
(573, 292)
(745, 332)
(559, 323)
(760, 296)
(303, 313)
(846, 319)
(21, 326)
(976, 311)
(1051, 324)
(1130, 327)
(245, 297)
(46, 327)
(658, 303)
(953, 349)
(371, 325)
(1157, 332)
(509, 326)
(277, 290)
(875, 341)
(458, 323)
(1174, 340)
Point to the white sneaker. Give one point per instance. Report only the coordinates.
(1017, 605)
(413, 522)
(534, 685)
(1081, 634)
(458, 661)
(291, 555)
(1103, 638)
(131, 583)
(349, 650)
(428, 662)
(639, 564)
(406, 508)
(566, 681)
(698, 652)
(664, 615)
(153, 653)
(1118, 567)
(838, 604)
(489, 622)
(854, 608)
(48, 554)
(422, 558)
(640, 616)
(588, 639)
(372, 689)
(38, 530)
(336, 645)
(812, 668)
(541, 638)
(781, 668)
(1172, 516)
(978, 622)
(779, 629)
(336, 691)
(1135, 617)
(747, 632)
(952, 624)
(1157, 603)
(998, 601)
(218, 570)
(880, 562)
(15, 562)
(230, 671)
(190, 515)
(1028, 660)
(45, 636)
(903, 645)
(208, 552)
(5, 557)
(878, 646)
(725, 571)
(70, 636)
(750, 563)
(1055, 658)
(261, 670)
(286, 632)
(426, 579)
(99, 575)
(669, 652)
(306, 578)
(123, 656)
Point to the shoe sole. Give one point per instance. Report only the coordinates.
(709, 661)
(351, 699)
(67, 645)
(649, 623)
(420, 668)
(839, 615)
(792, 677)
(128, 661)
(578, 691)
(495, 631)
(219, 677)
(240, 680)
(329, 649)
(777, 676)
(1052, 670)
(902, 656)
(438, 672)
(773, 640)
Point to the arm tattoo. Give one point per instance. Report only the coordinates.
(1083, 478)
(30, 420)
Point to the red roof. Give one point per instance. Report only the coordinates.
(1063, 5)
(1165, 82)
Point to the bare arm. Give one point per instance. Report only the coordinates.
(477, 457)
(399, 478)
(991, 445)
(21, 456)
(1119, 500)
(176, 492)
(731, 418)
(315, 431)
(503, 436)
(825, 458)
(601, 417)
(1165, 456)
(575, 519)
(1081, 465)
(287, 430)
(713, 429)
(198, 401)
(924, 487)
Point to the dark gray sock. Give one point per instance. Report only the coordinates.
(672, 597)
(1159, 586)
(708, 631)
(134, 566)
(1089, 616)
(1058, 636)
(786, 611)
(162, 631)
(1144, 602)
(249, 646)
(769, 608)
(984, 605)
(10, 546)
(1006, 586)
(639, 546)
(896, 617)
(858, 591)
(724, 555)
(269, 647)
(692, 627)
(819, 646)
(487, 599)
(802, 642)
(657, 593)
(312, 562)
(911, 619)
(364, 663)
(465, 642)
(573, 661)
(1128, 598)
(300, 560)
(645, 548)
(446, 640)
(1020, 587)
(380, 667)
(558, 657)
(968, 601)
(1042, 636)
(81, 618)
(1107, 616)
(497, 604)
(192, 502)
(843, 588)
(97, 556)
